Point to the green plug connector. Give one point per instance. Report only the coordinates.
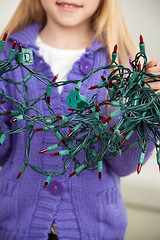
(25, 57)
(76, 100)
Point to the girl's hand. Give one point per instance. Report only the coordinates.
(154, 69)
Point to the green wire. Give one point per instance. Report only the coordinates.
(140, 112)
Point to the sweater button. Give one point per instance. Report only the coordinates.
(55, 188)
(86, 66)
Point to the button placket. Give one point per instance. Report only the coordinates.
(55, 188)
(86, 66)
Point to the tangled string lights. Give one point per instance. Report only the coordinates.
(137, 105)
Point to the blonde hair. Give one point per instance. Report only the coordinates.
(108, 22)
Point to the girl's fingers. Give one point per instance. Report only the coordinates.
(154, 70)
(152, 63)
(154, 85)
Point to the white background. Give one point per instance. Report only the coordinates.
(141, 193)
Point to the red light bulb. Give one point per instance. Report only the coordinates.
(20, 47)
(5, 36)
(59, 117)
(115, 48)
(139, 66)
(70, 134)
(97, 108)
(43, 151)
(18, 176)
(72, 174)
(55, 154)
(71, 109)
(130, 61)
(110, 84)
(55, 78)
(38, 129)
(45, 184)
(99, 176)
(14, 44)
(139, 168)
(93, 87)
(141, 39)
(106, 102)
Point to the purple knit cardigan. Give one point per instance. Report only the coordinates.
(82, 207)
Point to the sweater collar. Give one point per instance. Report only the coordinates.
(27, 37)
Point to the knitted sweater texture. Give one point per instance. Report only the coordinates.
(82, 206)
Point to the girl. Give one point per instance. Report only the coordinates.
(68, 37)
